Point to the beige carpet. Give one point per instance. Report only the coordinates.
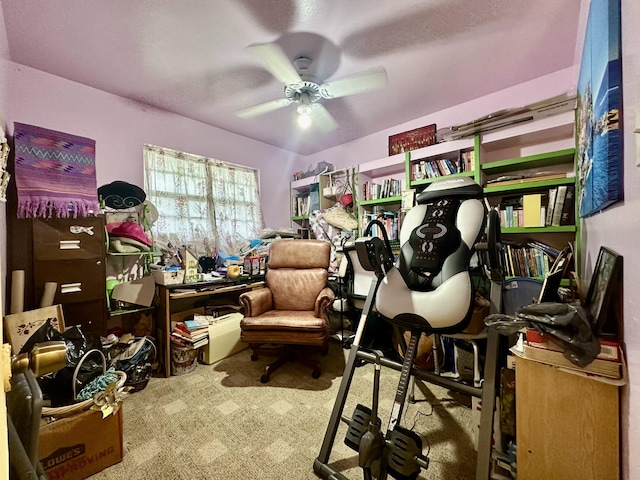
(220, 422)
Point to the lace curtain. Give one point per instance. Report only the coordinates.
(204, 203)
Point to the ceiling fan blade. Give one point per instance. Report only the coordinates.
(357, 83)
(256, 110)
(321, 117)
(276, 61)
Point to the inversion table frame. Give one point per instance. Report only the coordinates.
(486, 392)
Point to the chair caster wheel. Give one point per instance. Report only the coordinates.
(315, 374)
(264, 378)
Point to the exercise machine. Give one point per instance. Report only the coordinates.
(427, 289)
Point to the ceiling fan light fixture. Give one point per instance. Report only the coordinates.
(304, 109)
(304, 120)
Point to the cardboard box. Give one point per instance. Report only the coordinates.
(224, 339)
(79, 446)
(476, 323)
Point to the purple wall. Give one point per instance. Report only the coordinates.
(120, 127)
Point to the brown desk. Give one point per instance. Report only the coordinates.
(172, 299)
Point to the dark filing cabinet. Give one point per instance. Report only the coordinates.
(70, 252)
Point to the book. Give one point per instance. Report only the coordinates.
(605, 368)
(552, 201)
(201, 343)
(548, 249)
(181, 330)
(408, 199)
(559, 205)
(568, 208)
(195, 343)
(562, 261)
(531, 206)
(609, 348)
(198, 322)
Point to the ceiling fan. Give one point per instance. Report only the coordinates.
(304, 89)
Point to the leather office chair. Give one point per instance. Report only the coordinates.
(292, 308)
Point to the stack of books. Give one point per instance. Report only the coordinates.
(193, 333)
(544, 349)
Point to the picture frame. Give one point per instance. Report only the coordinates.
(19, 327)
(412, 139)
(599, 155)
(605, 283)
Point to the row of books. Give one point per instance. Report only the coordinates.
(193, 333)
(525, 261)
(300, 206)
(553, 208)
(390, 187)
(561, 206)
(390, 220)
(439, 167)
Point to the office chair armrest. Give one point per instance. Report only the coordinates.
(256, 302)
(325, 298)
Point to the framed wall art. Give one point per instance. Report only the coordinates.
(599, 136)
(605, 283)
(412, 139)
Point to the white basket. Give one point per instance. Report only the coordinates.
(330, 191)
(171, 277)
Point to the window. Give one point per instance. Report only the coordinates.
(205, 203)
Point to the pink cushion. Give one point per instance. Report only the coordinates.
(129, 230)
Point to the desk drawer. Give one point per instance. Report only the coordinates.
(68, 238)
(78, 280)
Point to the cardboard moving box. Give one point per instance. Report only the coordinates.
(224, 338)
(77, 447)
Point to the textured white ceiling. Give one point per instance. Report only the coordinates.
(189, 56)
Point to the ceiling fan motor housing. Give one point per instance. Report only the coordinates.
(307, 91)
(304, 93)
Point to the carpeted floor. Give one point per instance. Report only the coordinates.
(220, 422)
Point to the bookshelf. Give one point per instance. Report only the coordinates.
(381, 184)
(527, 159)
(522, 169)
(453, 158)
(300, 191)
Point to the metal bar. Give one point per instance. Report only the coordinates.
(319, 466)
(427, 376)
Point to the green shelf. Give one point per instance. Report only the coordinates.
(530, 230)
(426, 181)
(381, 201)
(557, 157)
(529, 186)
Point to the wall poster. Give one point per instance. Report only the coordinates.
(599, 141)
